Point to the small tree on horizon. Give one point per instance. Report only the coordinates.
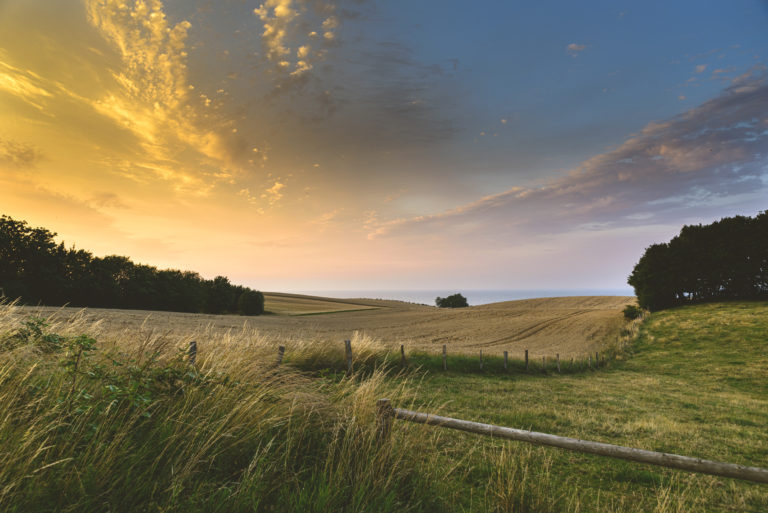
(454, 301)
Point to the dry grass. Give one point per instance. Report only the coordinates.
(234, 433)
(570, 326)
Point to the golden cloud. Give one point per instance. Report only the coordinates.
(153, 97)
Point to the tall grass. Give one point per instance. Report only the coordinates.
(100, 423)
(97, 420)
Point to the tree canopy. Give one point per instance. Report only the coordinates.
(727, 259)
(35, 269)
(454, 301)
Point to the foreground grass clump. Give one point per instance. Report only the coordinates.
(93, 423)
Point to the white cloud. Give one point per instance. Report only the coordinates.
(574, 49)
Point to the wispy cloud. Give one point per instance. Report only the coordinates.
(707, 157)
(23, 84)
(18, 155)
(153, 97)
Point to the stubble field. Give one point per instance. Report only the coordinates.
(569, 326)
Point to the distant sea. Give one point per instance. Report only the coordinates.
(474, 297)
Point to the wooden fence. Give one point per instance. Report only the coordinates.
(387, 413)
(599, 359)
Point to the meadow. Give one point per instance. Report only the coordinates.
(101, 416)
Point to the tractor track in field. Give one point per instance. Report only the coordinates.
(530, 330)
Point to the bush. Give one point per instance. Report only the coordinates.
(251, 302)
(454, 301)
(632, 312)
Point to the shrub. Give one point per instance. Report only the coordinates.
(454, 301)
(632, 312)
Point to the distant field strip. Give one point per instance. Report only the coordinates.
(288, 304)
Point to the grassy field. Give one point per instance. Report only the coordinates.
(695, 384)
(570, 326)
(117, 421)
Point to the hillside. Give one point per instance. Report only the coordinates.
(695, 383)
(571, 326)
(120, 420)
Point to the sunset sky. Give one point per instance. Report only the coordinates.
(382, 144)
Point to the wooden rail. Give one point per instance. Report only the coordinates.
(387, 413)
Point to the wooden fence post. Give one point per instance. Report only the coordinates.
(558, 362)
(402, 356)
(597, 360)
(192, 352)
(385, 414)
(544, 364)
(481, 359)
(589, 365)
(348, 351)
(526, 359)
(445, 359)
(506, 359)
(280, 353)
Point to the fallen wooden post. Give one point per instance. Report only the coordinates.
(702, 466)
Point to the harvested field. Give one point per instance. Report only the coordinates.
(570, 326)
(293, 304)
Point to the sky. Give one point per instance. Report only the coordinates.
(382, 144)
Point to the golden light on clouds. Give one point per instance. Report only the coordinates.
(266, 139)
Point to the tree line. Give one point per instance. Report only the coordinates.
(727, 259)
(37, 270)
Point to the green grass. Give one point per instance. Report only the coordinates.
(695, 384)
(128, 426)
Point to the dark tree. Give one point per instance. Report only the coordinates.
(251, 302)
(454, 301)
(221, 296)
(34, 269)
(727, 259)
